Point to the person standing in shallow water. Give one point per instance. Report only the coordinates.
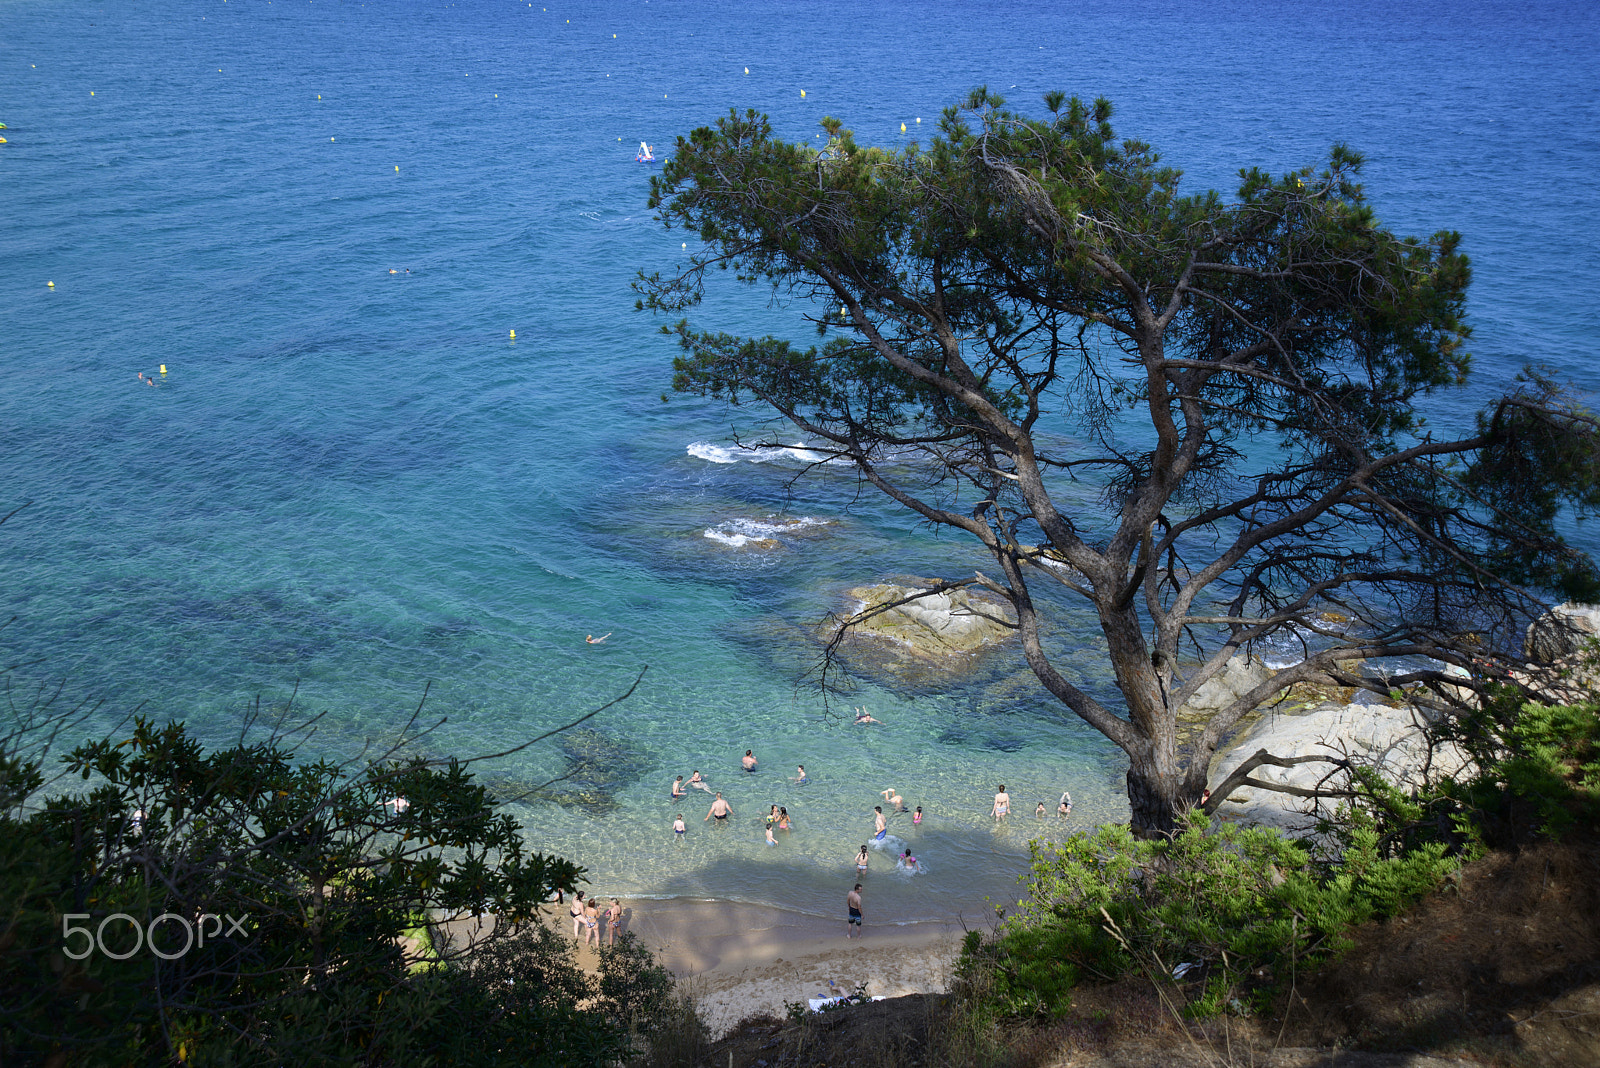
(1002, 803)
(749, 761)
(719, 809)
(861, 861)
(852, 902)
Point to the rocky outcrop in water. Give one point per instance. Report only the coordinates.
(933, 640)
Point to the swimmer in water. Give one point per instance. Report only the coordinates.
(861, 861)
(678, 790)
(749, 761)
(1064, 808)
(1002, 803)
(895, 800)
(863, 716)
(770, 840)
(783, 819)
(698, 783)
(592, 640)
(879, 824)
(908, 860)
(677, 825)
(772, 815)
(719, 809)
(916, 818)
(800, 775)
(1038, 813)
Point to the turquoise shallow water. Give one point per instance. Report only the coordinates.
(355, 482)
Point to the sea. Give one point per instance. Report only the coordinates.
(352, 493)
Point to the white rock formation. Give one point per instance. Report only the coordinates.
(1238, 677)
(1564, 630)
(1379, 736)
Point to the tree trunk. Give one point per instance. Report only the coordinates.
(1154, 796)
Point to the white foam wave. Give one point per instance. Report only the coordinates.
(738, 541)
(742, 532)
(889, 844)
(711, 452)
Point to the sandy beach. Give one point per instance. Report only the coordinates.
(740, 960)
(743, 960)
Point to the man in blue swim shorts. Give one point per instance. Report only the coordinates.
(853, 902)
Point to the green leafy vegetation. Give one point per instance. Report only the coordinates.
(239, 906)
(1232, 914)
(1231, 909)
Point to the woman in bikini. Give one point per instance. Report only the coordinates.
(861, 861)
(576, 912)
(591, 920)
(783, 819)
(614, 919)
(1002, 804)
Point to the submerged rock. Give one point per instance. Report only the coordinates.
(597, 766)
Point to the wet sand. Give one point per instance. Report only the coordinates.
(741, 960)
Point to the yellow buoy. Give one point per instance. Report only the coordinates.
(330, 139)
(613, 37)
(397, 168)
(52, 285)
(91, 92)
(319, 96)
(747, 70)
(513, 335)
(919, 118)
(802, 94)
(163, 368)
(902, 127)
(685, 245)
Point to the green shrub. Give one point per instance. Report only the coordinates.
(1241, 907)
(1541, 766)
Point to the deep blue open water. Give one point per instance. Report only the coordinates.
(353, 481)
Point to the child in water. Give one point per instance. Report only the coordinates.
(677, 825)
(917, 818)
(783, 819)
(909, 861)
(770, 840)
